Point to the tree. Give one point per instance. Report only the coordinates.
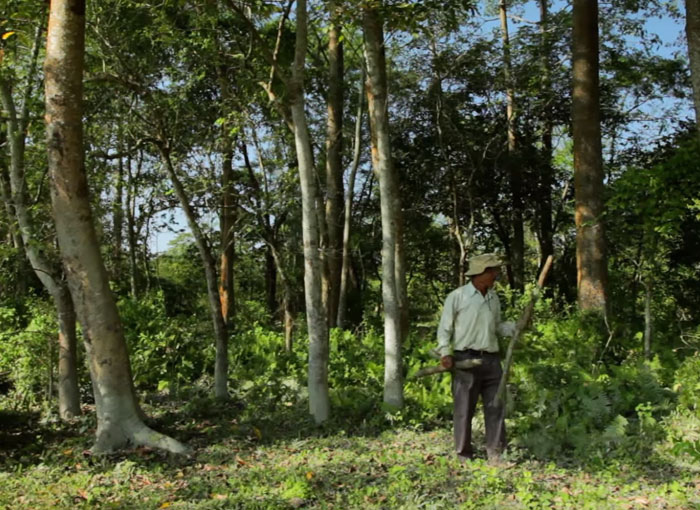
(118, 414)
(517, 245)
(334, 165)
(393, 269)
(38, 252)
(692, 33)
(591, 259)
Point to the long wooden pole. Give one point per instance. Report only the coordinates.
(520, 326)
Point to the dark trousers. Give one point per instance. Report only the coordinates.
(467, 385)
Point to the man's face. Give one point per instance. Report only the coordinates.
(491, 275)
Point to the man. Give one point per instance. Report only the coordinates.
(471, 318)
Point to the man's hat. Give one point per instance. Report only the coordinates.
(480, 263)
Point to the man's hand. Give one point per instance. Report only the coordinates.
(447, 361)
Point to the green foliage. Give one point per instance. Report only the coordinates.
(166, 352)
(567, 402)
(28, 352)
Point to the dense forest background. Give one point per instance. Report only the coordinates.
(281, 196)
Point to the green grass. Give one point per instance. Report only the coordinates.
(270, 456)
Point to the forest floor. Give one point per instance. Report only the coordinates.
(280, 460)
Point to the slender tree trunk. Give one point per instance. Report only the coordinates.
(591, 259)
(48, 272)
(271, 283)
(390, 205)
(228, 220)
(546, 230)
(68, 392)
(648, 320)
(692, 32)
(131, 228)
(518, 243)
(118, 415)
(209, 263)
(319, 402)
(334, 165)
(118, 219)
(345, 266)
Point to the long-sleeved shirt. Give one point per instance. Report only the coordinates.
(471, 320)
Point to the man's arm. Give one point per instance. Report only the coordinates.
(445, 329)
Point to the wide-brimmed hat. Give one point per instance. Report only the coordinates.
(480, 263)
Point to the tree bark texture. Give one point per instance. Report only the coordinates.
(377, 97)
(334, 166)
(517, 245)
(47, 271)
(588, 165)
(209, 263)
(692, 33)
(319, 403)
(118, 415)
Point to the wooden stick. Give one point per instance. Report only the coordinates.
(438, 369)
(520, 326)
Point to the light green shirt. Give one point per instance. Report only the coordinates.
(471, 321)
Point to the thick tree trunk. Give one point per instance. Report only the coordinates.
(319, 402)
(517, 245)
(390, 205)
(692, 32)
(591, 259)
(345, 265)
(546, 229)
(209, 263)
(334, 166)
(118, 415)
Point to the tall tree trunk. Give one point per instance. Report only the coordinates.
(692, 33)
(131, 227)
(517, 250)
(334, 165)
(377, 97)
(546, 230)
(118, 220)
(228, 220)
(319, 402)
(46, 270)
(209, 263)
(345, 265)
(118, 416)
(591, 259)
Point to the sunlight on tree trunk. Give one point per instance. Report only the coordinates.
(118, 415)
(392, 265)
(588, 165)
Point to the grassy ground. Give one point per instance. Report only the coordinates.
(248, 458)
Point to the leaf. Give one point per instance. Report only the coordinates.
(309, 475)
(7, 35)
(165, 505)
